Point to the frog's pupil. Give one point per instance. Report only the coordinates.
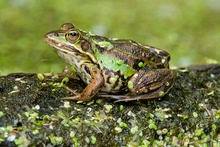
(73, 33)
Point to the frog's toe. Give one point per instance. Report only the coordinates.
(116, 97)
(76, 98)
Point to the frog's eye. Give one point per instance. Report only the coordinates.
(72, 36)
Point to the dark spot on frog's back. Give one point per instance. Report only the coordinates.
(164, 54)
(135, 65)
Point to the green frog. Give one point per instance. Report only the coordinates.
(121, 69)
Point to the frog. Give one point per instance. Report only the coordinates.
(119, 69)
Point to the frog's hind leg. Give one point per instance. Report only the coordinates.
(145, 85)
(153, 83)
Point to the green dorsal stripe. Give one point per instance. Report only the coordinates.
(114, 64)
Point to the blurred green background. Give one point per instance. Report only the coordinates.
(188, 30)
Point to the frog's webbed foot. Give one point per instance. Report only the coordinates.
(127, 97)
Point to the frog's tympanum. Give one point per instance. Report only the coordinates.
(120, 69)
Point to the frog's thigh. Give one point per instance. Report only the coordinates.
(153, 83)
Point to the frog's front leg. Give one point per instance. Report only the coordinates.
(154, 83)
(91, 89)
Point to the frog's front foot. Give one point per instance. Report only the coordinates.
(91, 90)
(77, 96)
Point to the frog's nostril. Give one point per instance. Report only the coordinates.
(56, 34)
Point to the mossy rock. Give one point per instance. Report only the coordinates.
(33, 114)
